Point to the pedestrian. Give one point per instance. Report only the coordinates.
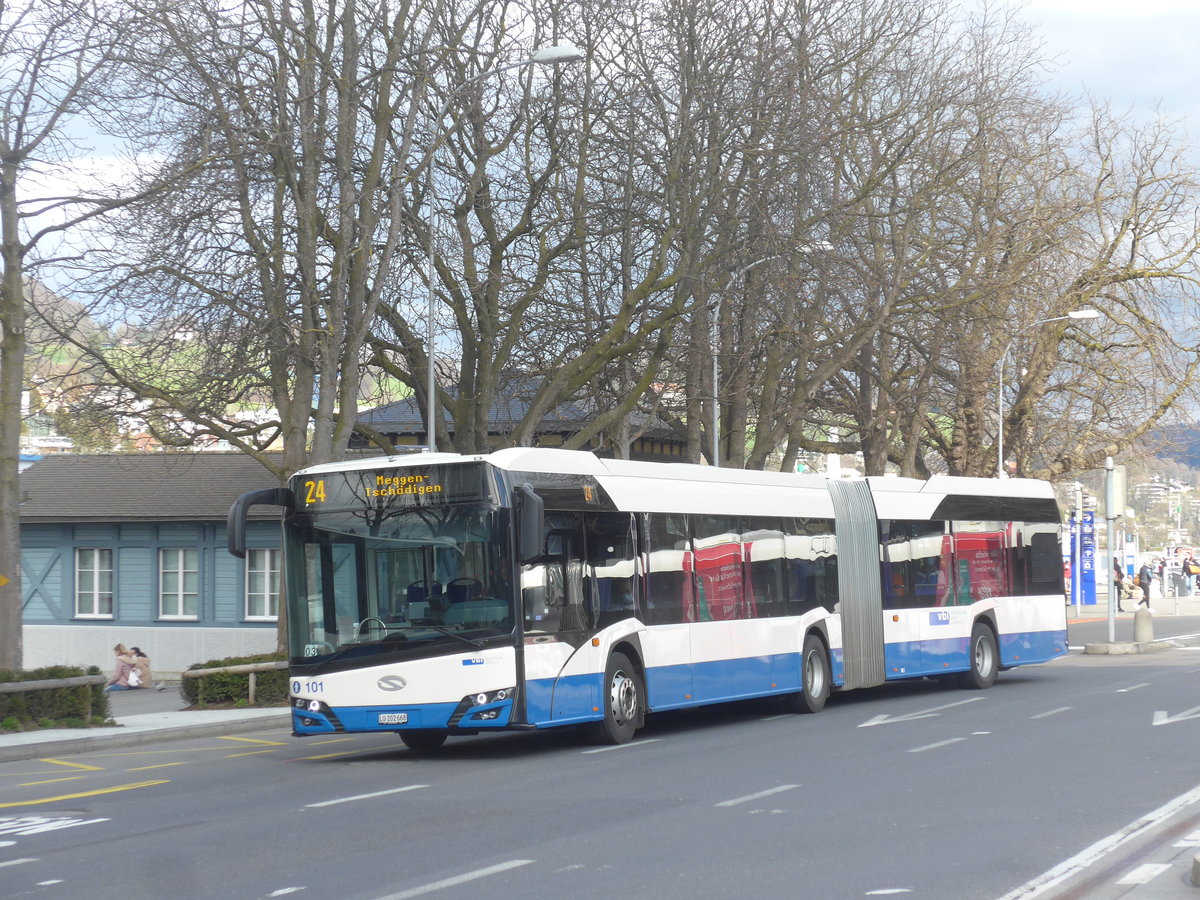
(1145, 579)
(1118, 585)
(1160, 570)
(141, 664)
(1188, 573)
(124, 672)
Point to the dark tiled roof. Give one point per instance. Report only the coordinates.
(509, 407)
(141, 487)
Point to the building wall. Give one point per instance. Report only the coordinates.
(54, 635)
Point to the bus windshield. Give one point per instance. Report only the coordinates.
(361, 585)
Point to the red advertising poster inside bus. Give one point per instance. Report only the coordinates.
(722, 593)
(980, 566)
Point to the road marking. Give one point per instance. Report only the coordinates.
(1161, 717)
(1126, 690)
(780, 716)
(331, 741)
(920, 714)
(73, 765)
(157, 766)
(284, 891)
(343, 753)
(1143, 874)
(410, 787)
(767, 793)
(1055, 876)
(1051, 712)
(26, 825)
(883, 892)
(249, 753)
(458, 879)
(17, 862)
(97, 793)
(624, 746)
(50, 781)
(935, 746)
(1192, 840)
(256, 741)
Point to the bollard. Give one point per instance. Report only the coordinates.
(1143, 626)
(1196, 870)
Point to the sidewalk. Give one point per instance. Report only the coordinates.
(1159, 606)
(142, 716)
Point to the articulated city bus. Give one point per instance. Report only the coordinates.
(438, 594)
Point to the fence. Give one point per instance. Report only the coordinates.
(84, 682)
(251, 669)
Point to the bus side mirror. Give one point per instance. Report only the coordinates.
(235, 526)
(531, 524)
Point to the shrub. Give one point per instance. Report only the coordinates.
(52, 708)
(271, 688)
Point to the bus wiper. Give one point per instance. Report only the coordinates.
(454, 634)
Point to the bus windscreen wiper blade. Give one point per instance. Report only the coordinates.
(454, 634)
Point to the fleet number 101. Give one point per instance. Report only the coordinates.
(307, 687)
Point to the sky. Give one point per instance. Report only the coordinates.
(1136, 53)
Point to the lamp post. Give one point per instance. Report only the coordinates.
(557, 53)
(1074, 314)
(715, 342)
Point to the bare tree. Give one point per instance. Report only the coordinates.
(58, 66)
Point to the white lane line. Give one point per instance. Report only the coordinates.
(919, 714)
(1051, 712)
(780, 716)
(935, 746)
(758, 796)
(458, 879)
(1133, 687)
(401, 790)
(624, 746)
(1143, 874)
(1192, 840)
(17, 862)
(1051, 878)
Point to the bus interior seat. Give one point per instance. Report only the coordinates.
(461, 589)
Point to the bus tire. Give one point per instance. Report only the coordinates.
(984, 658)
(815, 678)
(422, 741)
(622, 699)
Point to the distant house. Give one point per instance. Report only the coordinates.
(403, 424)
(131, 548)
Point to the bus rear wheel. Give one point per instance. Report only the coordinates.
(814, 678)
(423, 741)
(984, 658)
(622, 700)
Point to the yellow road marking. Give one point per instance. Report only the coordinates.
(333, 741)
(50, 781)
(248, 753)
(63, 762)
(159, 766)
(343, 753)
(111, 790)
(255, 741)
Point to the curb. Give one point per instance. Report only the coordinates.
(1125, 648)
(130, 737)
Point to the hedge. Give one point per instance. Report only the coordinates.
(271, 688)
(67, 707)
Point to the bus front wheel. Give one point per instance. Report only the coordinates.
(622, 700)
(984, 658)
(423, 741)
(814, 678)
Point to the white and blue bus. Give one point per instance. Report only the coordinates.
(438, 594)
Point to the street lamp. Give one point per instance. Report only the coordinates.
(1074, 314)
(715, 346)
(556, 53)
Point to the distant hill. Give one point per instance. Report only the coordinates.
(1180, 443)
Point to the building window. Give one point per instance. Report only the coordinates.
(262, 584)
(93, 584)
(179, 583)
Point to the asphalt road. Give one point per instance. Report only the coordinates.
(906, 790)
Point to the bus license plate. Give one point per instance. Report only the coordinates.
(393, 718)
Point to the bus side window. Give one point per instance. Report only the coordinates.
(612, 566)
(668, 569)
